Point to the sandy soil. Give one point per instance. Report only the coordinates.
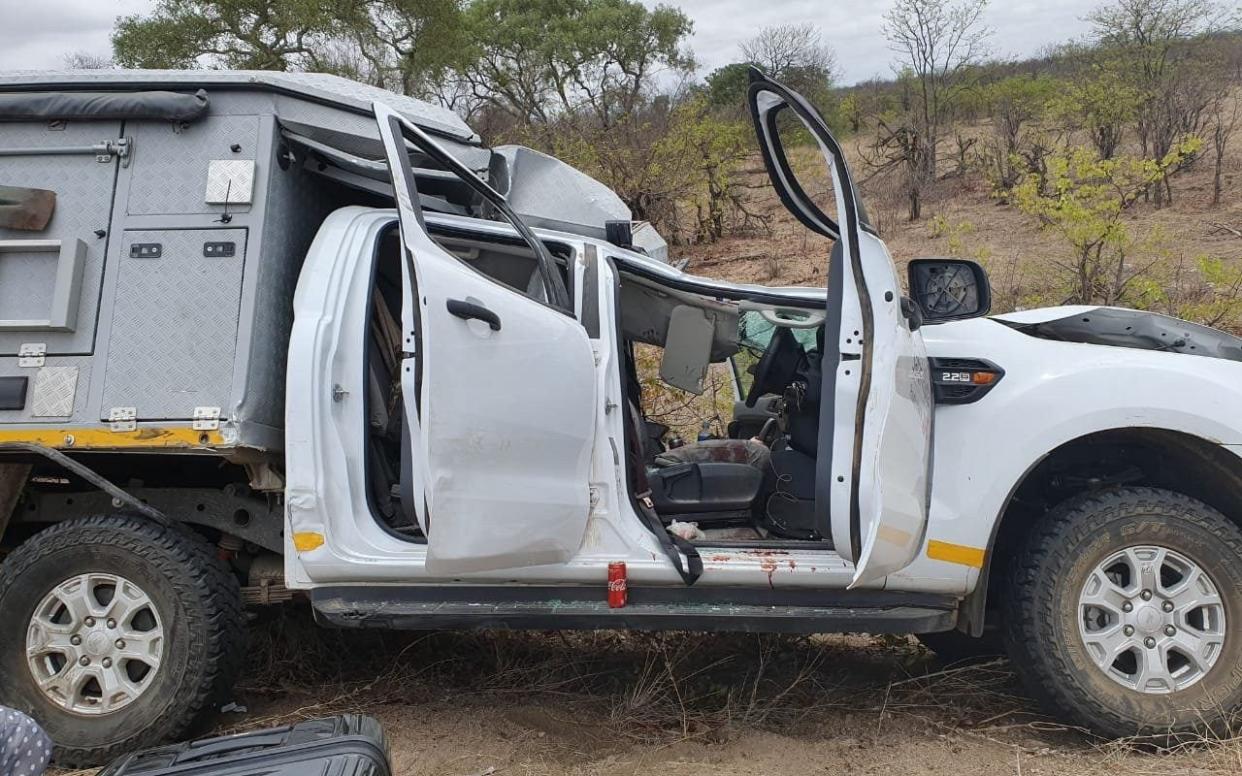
(614, 703)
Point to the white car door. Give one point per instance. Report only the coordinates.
(873, 468)
(499, 392)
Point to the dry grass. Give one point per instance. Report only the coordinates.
(613, 702)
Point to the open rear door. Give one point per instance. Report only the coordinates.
(873, 467)
(499, 392)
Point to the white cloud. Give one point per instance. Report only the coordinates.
(38, 34)
(853, 28)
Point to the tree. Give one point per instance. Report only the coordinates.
(410, 46)
(851, 111)
(1013, 104)
(789, 50)
(1225, 116)
(83, 60)
(243, 34)
(936, 43)
(796, 55)
(535, 59)
(726, 88)
(1085, 200)
(1102, 103)
(1149, 41)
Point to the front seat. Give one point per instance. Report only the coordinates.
(747, 451)
(712, 482)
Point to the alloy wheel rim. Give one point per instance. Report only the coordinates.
(94, 644)
(1151, 619)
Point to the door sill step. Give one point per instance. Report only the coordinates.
(357, 607)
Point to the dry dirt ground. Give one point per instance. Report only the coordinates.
(615, 703)
(1020, 258)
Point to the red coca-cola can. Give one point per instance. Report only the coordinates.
(618, 591)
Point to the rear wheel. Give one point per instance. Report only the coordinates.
(1119, 612)
(124, 633)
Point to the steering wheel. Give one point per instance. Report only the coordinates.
(777, 366)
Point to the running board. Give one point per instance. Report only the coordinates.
(420, 609)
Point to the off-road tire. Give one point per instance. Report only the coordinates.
(199, 604)
(1042, 602)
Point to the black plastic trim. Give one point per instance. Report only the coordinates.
(13, 392)
(758, 610)
(943, 389)
(136, 86)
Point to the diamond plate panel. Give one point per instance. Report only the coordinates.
(55, 388)
(170, 168)
(9, 368)
(174, 325)
(230, 181)
(83, 204)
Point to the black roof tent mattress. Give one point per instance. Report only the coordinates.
(316, 88)
(68, 106)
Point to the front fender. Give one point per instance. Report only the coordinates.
(1052, 393)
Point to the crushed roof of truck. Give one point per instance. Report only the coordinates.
(316, 87)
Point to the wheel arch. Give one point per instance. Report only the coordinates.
(200, 492)
(1174, 460)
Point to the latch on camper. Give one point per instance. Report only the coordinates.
(120, 147)
(103, 151)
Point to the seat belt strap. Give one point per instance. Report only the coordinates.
(684, 555)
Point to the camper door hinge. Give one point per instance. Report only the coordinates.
(122, 419)
(206, 418)
(31, 354)
(121, 147)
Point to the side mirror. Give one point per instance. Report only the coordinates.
(949, 289)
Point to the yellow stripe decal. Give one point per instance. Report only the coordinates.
(305, 541)
(956, 553)
(88, 438)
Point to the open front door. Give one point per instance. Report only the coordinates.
(499, 392)
(873, 466)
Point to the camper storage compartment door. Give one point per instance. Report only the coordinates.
(174, 327)
(50, 277)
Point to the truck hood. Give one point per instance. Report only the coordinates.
(1123, 328)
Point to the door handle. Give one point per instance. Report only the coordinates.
(468, 310)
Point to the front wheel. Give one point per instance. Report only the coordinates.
(1120, 608)
(119, 633)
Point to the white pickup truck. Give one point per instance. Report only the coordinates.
(463, 445)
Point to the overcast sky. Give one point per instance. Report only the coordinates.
(38, 33)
